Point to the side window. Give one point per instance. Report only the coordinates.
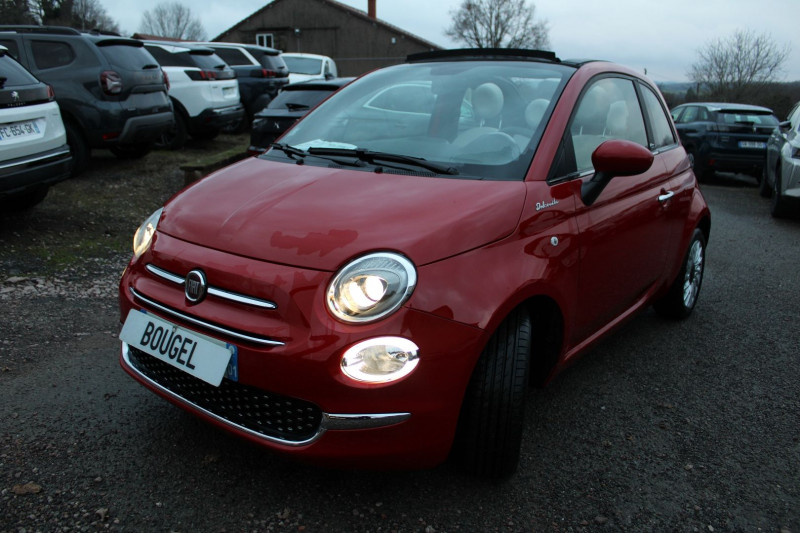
(794, 117)
(662, 132)
(609, 109)
(405, 98)
(13, 49)
(52, 54)
(702, 114)
(689, 115)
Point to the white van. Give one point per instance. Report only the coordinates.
(304, 67)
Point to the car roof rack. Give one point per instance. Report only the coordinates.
(29, 28)
(483, 53)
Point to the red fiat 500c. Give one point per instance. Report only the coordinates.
(381, 287)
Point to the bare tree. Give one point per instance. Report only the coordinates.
(80, 14)
(732, 68)
(498, 24)
(174, 20)
(16, 12)
(90, 15)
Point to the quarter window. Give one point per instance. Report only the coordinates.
(609, 109)
(52, 54)
(662, 132)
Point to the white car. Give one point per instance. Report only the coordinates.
(781, 178)
(203, 89)
(33, 143)
(304, 67)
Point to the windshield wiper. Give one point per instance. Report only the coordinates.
(291, 106)
(374, 157)
(295, 153)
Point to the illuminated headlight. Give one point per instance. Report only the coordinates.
(371, 287)
(143, 235)
(380, 360)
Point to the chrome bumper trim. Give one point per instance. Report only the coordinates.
(183, 316)
(214, 291)
(362, 421)
(333, 422)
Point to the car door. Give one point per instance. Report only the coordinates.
(624, 234)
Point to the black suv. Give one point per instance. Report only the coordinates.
(261, 72)
(725, 136)
(111, 91)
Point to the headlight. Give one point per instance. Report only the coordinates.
(371, 287)
(380, 360)
(143, 235)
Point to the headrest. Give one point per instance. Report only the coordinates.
(535, 111)
(487, 101)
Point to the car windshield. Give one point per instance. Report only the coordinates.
(303, 65)
(298, 99)
(477, 119)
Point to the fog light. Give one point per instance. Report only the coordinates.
(380, 360)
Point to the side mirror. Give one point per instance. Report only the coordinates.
(612, 159)
(785, 126)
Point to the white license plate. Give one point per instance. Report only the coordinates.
(202, 357)
(15, 130)
(752, 144)
(228, 91)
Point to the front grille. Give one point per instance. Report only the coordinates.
(271, 415)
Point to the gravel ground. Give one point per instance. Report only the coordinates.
(687, 426)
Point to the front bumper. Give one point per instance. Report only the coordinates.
(291, 365)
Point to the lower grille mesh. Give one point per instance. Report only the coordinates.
(271, 415)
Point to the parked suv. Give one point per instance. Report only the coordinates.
(724, 136)
(111, 91)
(781, 177)
(33, 144)
(381, 288)
(203, 88)
(261, 72)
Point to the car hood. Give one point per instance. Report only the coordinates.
(318, 218)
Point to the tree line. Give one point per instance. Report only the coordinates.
(79, 14)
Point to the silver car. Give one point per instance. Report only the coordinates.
(781, 177)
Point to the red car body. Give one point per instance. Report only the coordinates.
(279, 231)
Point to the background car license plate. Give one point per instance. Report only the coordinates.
(202, 357)
(18, 129)
(752, 144)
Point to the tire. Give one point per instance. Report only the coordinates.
(78, 147)
(175, 138)
(131, 151)
(779, 208)
(764, 190)
(489, 434)
(681, 299)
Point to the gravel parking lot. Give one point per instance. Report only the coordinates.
(687, 426)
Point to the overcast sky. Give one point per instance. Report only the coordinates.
(662, 36)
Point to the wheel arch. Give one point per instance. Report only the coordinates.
(547, 332)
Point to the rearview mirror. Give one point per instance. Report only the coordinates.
(612, 159)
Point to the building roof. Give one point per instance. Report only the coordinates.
(338, 5)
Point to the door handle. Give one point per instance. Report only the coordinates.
(664, 196)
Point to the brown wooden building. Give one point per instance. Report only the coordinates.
(357, 40)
